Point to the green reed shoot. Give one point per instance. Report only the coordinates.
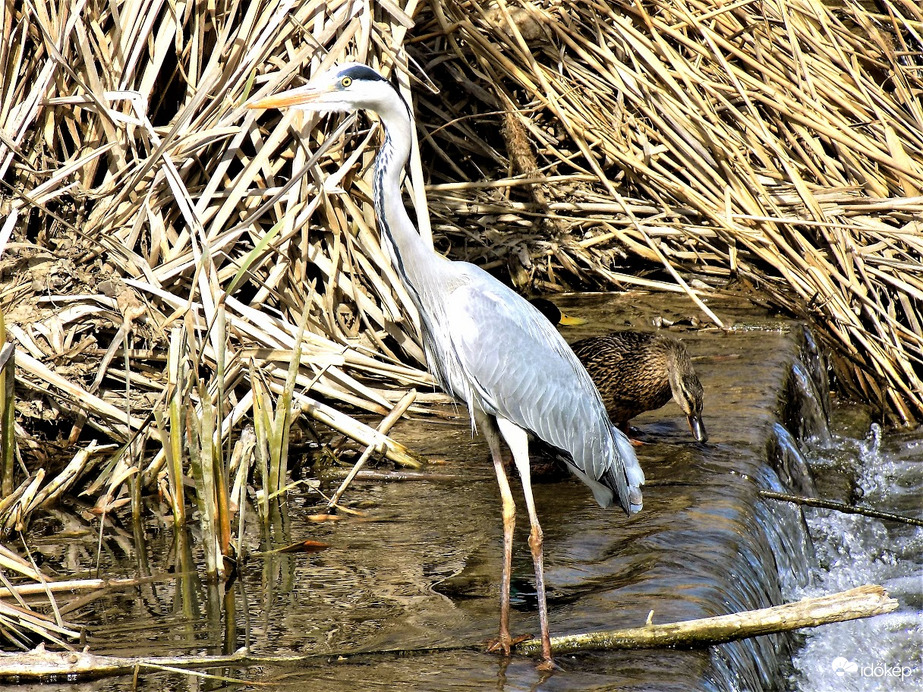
(200, 431)
(272, 426)
(171, 434)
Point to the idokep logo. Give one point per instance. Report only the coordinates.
(843, 666)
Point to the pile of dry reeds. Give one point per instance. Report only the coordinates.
(779, 142)
(161, 246)
(160, 249)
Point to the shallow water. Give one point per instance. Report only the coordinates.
(419, 571)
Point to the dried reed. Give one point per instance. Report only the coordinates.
(778, 143)
(154, 230)
(169, 244)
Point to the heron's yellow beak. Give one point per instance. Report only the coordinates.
(292, 97)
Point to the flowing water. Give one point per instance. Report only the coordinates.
(883, 653)
(418, 571)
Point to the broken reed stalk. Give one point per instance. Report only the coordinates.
(861, 602)
(386, 424)
(7, 412)
(840, 507)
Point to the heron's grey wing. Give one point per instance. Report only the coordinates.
(520, 368)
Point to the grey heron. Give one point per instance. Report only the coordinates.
(485, 345)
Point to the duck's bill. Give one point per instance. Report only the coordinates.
(571, 321)
(698, 428)
(292, 98)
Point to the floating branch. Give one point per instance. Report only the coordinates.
(48, 666)
(861, 602)
(840, 507)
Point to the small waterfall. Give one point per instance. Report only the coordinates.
(782, 539)
(881, 653)
(806, 412)
(784, 453)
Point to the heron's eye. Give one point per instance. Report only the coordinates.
(345, 82)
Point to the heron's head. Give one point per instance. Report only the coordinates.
(346, 87)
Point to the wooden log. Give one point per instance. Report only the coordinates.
(860, 602)
(863, 601)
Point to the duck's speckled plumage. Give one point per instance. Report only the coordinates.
(641, 371)
(637, 371)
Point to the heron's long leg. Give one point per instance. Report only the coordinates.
(518, 441)
(489, 428)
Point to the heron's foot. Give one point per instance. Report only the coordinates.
(547, 666)
(505, 644)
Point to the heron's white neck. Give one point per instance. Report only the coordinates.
(410, 255)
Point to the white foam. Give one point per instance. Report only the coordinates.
(885, 652)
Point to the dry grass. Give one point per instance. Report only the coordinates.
(159, 245)
(777, 142)
(150, 236)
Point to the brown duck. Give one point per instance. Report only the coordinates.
(637, 371)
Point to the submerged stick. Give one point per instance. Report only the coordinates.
(384, 427)
(861, 602)
(841, 507)
(379, 475)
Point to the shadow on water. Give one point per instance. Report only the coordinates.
(419, 571)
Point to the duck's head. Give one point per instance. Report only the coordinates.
(688, 392)
(554, 314)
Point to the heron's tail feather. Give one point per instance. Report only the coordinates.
(624, 474)
(633, 473)
(602, 488)
(620, 480)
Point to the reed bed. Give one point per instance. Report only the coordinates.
(180, 279)
(183, 277)
(160, 247)
(775, 145)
